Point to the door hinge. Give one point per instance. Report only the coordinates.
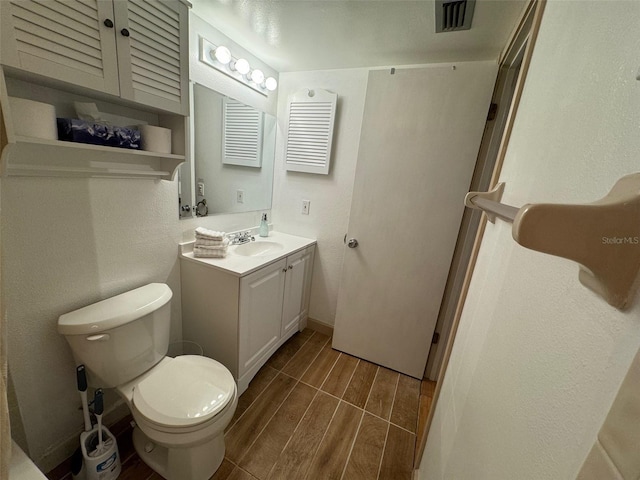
(436, 338)
(493, 111)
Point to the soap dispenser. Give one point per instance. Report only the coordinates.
(264, 226)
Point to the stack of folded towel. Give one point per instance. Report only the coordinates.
(210, 244)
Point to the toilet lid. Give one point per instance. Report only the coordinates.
(186, 391)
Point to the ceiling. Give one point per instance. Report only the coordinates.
(297, 35)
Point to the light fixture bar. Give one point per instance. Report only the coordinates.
(221, 58)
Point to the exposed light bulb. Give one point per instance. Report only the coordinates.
(271, 84)
(242, 66)
(221, 54)
(257, 76)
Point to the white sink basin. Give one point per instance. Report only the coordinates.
(258, 249)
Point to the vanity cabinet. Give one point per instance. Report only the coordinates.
(134, 49)
(241, 320)
(296, 291)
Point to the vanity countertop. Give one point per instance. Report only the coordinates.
(235, 263)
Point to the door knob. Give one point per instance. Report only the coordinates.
(353, 243)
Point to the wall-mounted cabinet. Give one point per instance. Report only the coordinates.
(135, 49)
(242, 320)
(131, 57)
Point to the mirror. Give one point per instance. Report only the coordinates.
(234, 150)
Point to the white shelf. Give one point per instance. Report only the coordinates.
(37, 157)
(28, 156)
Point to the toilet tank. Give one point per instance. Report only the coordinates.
(121, 337)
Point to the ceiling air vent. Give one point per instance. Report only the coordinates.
(453, 15)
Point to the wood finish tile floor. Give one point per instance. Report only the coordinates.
(315, 413)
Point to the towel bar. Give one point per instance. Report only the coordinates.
(603, 236)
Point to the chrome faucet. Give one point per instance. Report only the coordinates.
(241, 237)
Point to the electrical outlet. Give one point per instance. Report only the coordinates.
(201, 189)
(306, 204)
(240, 196)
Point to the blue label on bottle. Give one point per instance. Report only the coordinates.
(107, 463)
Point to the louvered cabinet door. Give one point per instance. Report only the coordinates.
(63, 39)
(153, 52)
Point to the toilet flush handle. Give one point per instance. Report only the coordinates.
(101, 337)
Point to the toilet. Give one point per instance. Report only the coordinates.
(180, 405)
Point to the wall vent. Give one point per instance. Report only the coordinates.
(453, 15)
(310, 131)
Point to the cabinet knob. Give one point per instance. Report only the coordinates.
(125, 32)
(284, 270)
(108, 23)
(290, 267)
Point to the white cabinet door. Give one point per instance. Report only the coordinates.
(260, 313)
(294, 290)
(153, 52)
(67, 40)
(306, 293)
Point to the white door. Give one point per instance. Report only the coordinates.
(420, 137)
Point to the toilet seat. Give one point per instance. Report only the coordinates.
(184, 393)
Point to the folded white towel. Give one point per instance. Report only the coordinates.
(210, 239)
(201, 242)
(209, 234)
(210, 247)
(205, 253)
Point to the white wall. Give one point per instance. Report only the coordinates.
(538, 358)
(68, 243)
(71, 242)
(330, 195)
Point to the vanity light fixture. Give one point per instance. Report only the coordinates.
(221, 58)
(271, 84)
(222, 54)
(242, 66)
(257, 76)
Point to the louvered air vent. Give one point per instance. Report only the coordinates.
(453, 15)
(310, 131)
(242, 134)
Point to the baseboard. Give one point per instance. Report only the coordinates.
(320, 327)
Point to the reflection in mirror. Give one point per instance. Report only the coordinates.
(233, 155)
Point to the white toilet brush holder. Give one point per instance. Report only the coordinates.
(100, 463)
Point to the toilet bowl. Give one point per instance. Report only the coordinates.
(181, 405)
